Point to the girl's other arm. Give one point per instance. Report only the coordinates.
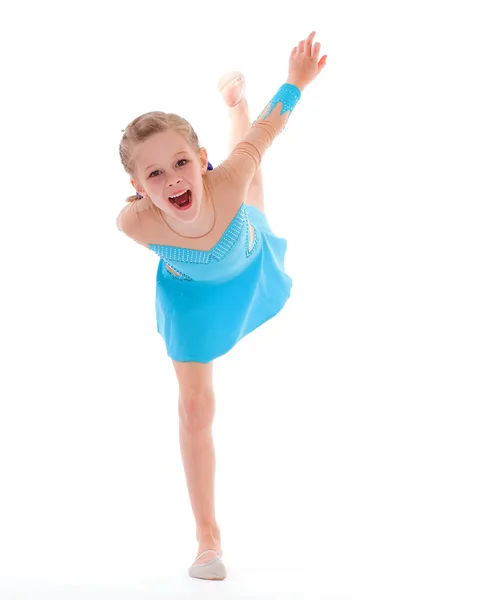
(129, 222)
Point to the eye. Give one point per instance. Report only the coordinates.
(153, 172)
(182, 160)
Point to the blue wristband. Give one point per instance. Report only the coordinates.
(288, 95)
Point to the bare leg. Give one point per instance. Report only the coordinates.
(240, 123)
(196, 411)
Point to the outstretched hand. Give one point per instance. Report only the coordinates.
(304, 64)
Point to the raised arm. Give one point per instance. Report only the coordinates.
(304, 66)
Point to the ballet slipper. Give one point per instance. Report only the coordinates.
(232, 88)
(214, 569)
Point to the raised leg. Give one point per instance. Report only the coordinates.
(232, 88)
(196, 411)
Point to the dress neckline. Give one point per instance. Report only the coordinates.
(201, 252)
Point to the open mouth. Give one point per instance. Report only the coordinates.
(182, 201)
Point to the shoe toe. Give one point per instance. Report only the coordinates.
(229, 78)
(213, 569)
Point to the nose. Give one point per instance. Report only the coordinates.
(175, 180)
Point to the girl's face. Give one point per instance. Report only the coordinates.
(170, 172)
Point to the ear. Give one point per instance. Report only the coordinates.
(203, 160)
(138, 188)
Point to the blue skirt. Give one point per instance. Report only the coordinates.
(200, 321)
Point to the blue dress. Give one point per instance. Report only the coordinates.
(214, 298)
(207, 301)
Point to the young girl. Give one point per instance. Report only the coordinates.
(221, 269)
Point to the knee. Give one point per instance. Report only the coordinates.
(196, 409)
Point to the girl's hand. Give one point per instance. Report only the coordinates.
(304, 65)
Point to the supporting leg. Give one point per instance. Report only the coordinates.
(196, 411)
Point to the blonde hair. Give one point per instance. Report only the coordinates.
(143, 127)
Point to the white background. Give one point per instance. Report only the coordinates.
(347, 428)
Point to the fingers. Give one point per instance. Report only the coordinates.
(322, 62)
(305, 47)
(308, 44)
